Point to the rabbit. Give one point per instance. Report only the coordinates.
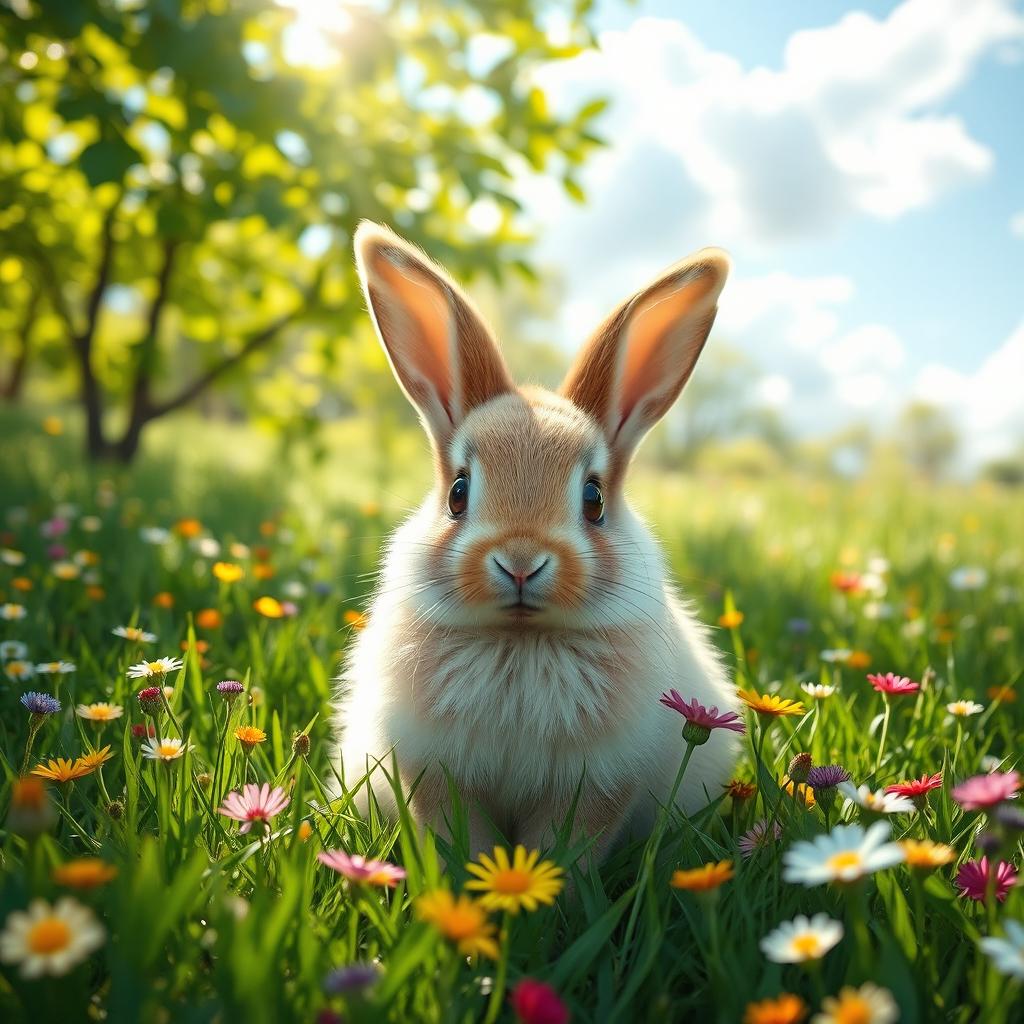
(523, 627)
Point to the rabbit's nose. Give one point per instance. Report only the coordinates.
(520, 572)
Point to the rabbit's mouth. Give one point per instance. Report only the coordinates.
(521, 608)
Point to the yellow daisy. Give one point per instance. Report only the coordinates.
(63, 770)
(94, 758)
(228, 572)
(84, 873)
(459, 920)
(923, 853)
(249, 736)
(803, 792)
(771, 704)
(710, 876)
(519, 884)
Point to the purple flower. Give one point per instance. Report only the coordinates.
(229, 689)
(701, 721)
(827, 776)
(758, 837)
(799, 627)
(984, 791)
(40, 703)
(352, 979)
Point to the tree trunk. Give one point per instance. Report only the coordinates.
(13, 388)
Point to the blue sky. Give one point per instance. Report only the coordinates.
(864, 176)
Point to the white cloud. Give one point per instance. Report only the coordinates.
(1017, 224)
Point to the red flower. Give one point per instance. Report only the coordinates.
(537, 1003)
(917, 787)
(893, 684)
(973, 876)
(140, 732)
(695, 712)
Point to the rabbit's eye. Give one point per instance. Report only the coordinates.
(458, 496)
(593, 502)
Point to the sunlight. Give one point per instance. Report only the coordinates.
(313, 37)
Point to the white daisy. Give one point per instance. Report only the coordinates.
(11, 557)
(55, 668)
(1007, 954)
(101, 711)
(964, 708)
(155, 535)
(868, 1004)
(160, 667)
(12, 612)
(13, 650)
(133, 633)
(847, 853)
(878, 801)
(206, 546)
(968, 578)
(50, 940)
(19, 671)
(802, 939)
(91, 524)
(168, 749)
(65, 570)
(836, 654)
(819, 691)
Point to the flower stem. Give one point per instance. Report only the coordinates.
(498, 992)
(34, 725)
(885, 732)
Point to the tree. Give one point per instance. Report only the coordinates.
(178, 193)
(928, 438)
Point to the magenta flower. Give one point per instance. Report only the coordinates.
(892, 684)
(357, 868)
(984, 791)
(973, 876)
(701, 719)
(759, 837)
(254, 804)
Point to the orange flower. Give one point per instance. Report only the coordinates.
(305, 831)
(202, 646)
(1005, 694)
(84, 873)
(263, 571)
(22, 583)
(188, 527)
(63, 770)
(786, 1009)
(209, 618)
(95, 593)
(803, 793)
(250, 737)
(228, 572)
(269, 607)
(357, 620)
(710, 876)
(771, 704)
(738, 789)
(858, 659)
(164, 599)
(94, 758)
(845, 582)
(267, 528)
(730, 620)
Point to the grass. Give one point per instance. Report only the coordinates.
(205, 924)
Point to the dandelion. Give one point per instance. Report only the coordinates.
(167, 749)
(460, 920)
(19, 671)
(702, 879)
(230, 689)
(250, 737)
(786, 1009)
(846, 854)
(892, 684)
(254, 804)
(700, 721)
(878, 802)
(154, 669)
(924, 854)
(868, 1004)
(12, 612)
(13, 650)
(351, 980)
(49, 939)
(771, 705)
(818, 691)
(1007, 954)
(536, 1003)
(984, 791)
(759, 837)
(802, 939)
(99, 712)
(361, 870)
(134, 634)
(517, 884)
(974, 877)
(62, 770)
(84, 873)
(228, 572)
(964, 708)
(269, 607)
(31, 813)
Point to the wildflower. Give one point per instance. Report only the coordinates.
(151, 700)
(730, 620)
(798, 627)
(206, 546)
(758, 837)
(974, 876)
(739, 789)
(786, 1009)
(878, 802)
(826, 776)
(230, 689)
(228, 572)
(819, 691)
(536, 1003)
(22, 583)
(250, 737)
(188, 528)
(209, 618)
(99, 712)
(517, 884)
(84, 873)
(64, 570)
(968, 578)
(1007, 954)
(305, 831)
(40, 704)
(142, 730)
(159, 668)
(799, 791)
(13, 649)
(19, 671)
(1003, 694)
(892, 684)
(459, 920)
(262, 571)
(359, 869)
(917, 789)
(845, 582)
(836, 655)
(12, 612)
(771, 704)
(164, 599)
(116, 809)
(983, 791)
(301, 744)
(1011, 816)
(254, 804)
(964, 708)
(868, 1004)
(355, 619)
(700, 721)
(800, 767)
(846, 854)
(269, 607)
(923, 853)
(801, 939)
(351, 980)
(168, 749)
(55, 668)
(702, 879)
(63, 770)
(94, 758)
(11, 557)
(31, 813)
(133, 633)
(50, 940)
(858, 659)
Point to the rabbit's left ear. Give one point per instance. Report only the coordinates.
(635, 365)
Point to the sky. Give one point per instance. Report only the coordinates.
(863, 164)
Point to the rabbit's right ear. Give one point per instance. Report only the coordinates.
(438, 345)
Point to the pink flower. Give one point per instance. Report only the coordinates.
(916, 787)
(973, 876)
(254, 804)
(357, 868)
(537, 1003)
(983, 791)
(759, 837)
(695, 713)
(893, 684)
